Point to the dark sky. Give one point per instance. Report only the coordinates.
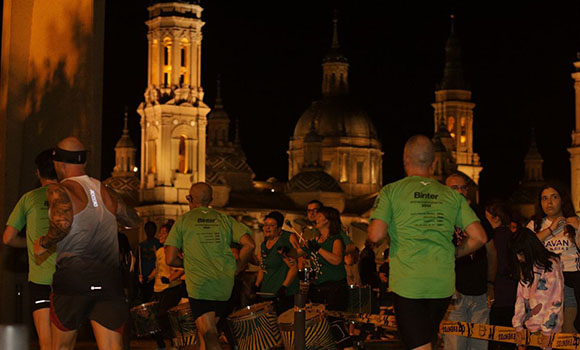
(517, 61)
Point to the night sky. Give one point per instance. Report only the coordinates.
(517, 61)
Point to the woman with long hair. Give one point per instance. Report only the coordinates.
(554, 210)
(540, 290)
(326, 254)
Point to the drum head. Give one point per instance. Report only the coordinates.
(313, 311)
(253, 310)
(181, 308)
(145, 306)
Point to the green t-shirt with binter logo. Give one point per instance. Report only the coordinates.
(205, 236)
(421, 214)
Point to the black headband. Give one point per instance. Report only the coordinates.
(71, 157)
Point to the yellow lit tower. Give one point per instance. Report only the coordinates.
(454, 109)
(575, 148)
(173, 115)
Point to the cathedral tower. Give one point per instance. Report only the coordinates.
(575, 149)
(454, 109)
(173, 115)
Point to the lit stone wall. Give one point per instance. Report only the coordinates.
(51, 87)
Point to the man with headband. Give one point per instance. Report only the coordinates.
(83, 221)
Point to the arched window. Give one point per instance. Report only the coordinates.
(463, 130)
(451, 126)
(182, 156)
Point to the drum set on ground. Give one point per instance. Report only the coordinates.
(258, 327)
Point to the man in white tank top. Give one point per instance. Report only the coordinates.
(83, 216)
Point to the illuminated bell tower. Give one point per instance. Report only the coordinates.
(575, 148)
(173, 115)
(454, 109)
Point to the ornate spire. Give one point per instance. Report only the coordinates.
(334, 66)
(453, 73)
(218, 98)
(335, 43)
(125, 140)
(335, 55)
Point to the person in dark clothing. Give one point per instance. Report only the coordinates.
(502, 310)
(385, 295)
(368, 266)
(474, 277)
(146, 255)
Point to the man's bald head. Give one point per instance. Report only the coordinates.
(419, 152)
(201, 194)
(71, 143)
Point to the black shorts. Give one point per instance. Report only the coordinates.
(39, 296)
(418, 319)
(67, 312)
(200, 307)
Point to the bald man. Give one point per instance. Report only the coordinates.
(205, 236)
(83, 216)
(420, 214)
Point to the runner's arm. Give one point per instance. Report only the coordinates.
(378, 230)
(246, 252)
(60, 218)
(476, 238)
(172, 256)
(11, 238)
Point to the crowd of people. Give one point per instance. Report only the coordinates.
(447, 258)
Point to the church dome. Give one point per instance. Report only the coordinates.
(126, 186)
(335, 116)
(227, 162)
(313, 181)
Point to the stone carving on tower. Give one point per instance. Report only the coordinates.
(575, 147)
(349, 149)
(173, 115)
(454, 110)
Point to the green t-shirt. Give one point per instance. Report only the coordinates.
(343, 236)
(32, 211)
(275, 269)
(205, 235)
(325, 271)
(421, 214)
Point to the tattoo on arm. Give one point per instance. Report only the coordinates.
(60, 215)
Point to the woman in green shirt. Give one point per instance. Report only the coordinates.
(326, 254)
(278, 271)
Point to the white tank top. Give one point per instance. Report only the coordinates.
(93, 235)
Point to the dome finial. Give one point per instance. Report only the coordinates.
(452, 20)
(335, 43)
(126, 122)
(218, 98)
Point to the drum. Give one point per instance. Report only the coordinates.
(318, 334)
(182, 325)
(255, 327)
(359, 299)
(144, 318)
